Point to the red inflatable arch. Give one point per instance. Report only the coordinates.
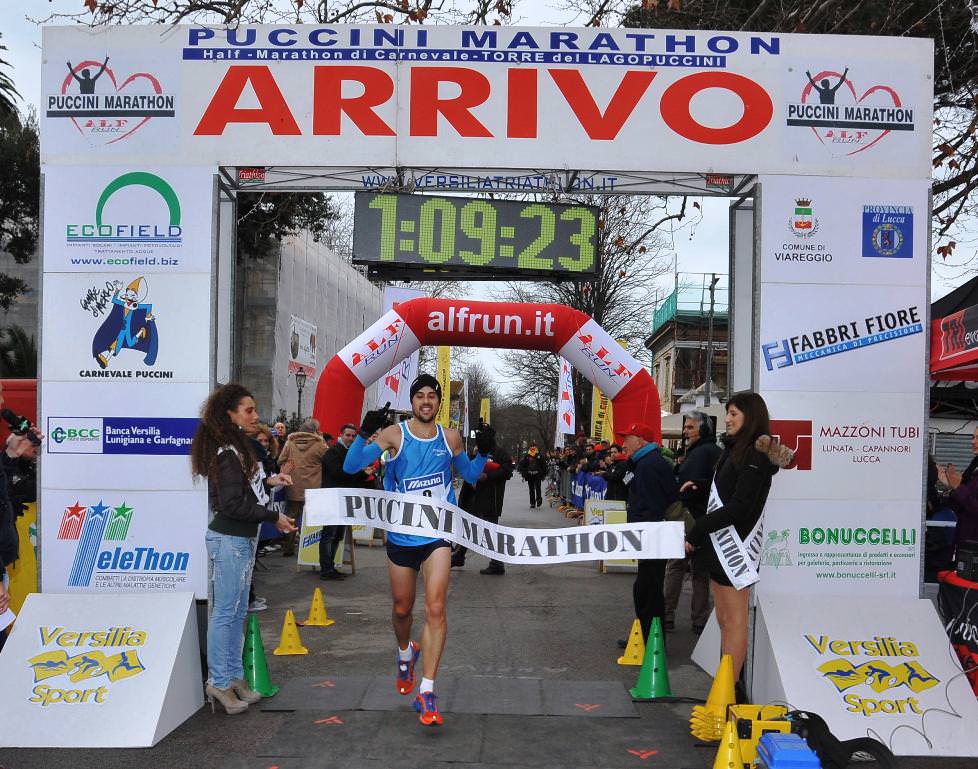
(554, 327)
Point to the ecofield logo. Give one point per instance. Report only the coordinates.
(162, 231)
(847, 336)
(95, 526)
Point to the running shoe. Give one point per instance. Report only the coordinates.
(425, 704)
(405, 670)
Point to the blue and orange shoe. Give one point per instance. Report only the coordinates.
(405, 670)
(425, 704)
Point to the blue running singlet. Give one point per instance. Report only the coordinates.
(422, 466)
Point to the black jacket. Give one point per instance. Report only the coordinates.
(743, 489)
(485, 499)
(333, 475)
(614, 476)
(9, 538)
(535, 466)
(698, 466)
(233, 499)
(651, 487)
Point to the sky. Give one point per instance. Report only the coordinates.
(698, 249)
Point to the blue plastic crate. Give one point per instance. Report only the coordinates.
(785, 751)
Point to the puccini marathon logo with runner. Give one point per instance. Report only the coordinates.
(104, 560)
(142, 231)
(92, 661)
(891, 668)
(831, 107)
(863, 443)
(128, 335)
(844, 337)
(109, 103)
(888, 232)
(803, 224)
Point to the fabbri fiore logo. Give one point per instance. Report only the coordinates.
(845, 337)
(91, 668)
(898, 679)
(105, 103)
(102, 559)
(888, 232)
(164, 230)
(795, 434)
(831, 107)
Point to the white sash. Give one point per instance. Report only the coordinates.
(740, 560)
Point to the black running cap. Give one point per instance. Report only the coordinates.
(425, 380)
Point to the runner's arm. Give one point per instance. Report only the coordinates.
(469, 469)
(360, 455)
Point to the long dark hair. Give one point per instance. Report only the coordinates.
(216, 430)
(757, 422)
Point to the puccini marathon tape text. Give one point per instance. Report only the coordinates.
(422, 516)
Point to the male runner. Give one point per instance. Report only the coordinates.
(422, 457)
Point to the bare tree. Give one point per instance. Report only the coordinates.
(621, 298)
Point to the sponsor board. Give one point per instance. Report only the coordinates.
(846, 231)
(120, 435)
(842, 338)
(133, 328)
(628, 100)
(844, 546)
(849, 445)
(110, 97)
(148, 452)
(78, 666)
(123, 541)
(302, 346)
(880, 668)
(127, 219)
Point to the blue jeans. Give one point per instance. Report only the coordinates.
(231, 560)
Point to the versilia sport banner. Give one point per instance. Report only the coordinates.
(390, 96)
(422, 516)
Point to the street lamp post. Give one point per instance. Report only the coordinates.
(300, 383)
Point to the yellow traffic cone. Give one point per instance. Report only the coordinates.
(317, 612)
(290, 643)
(722, 691)
(635, 650)
(728, 754)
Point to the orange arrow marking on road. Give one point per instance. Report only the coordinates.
(588, 708)
(330, 720)
(643, 754)
(324, 685)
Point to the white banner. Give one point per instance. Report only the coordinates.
(394, 386)
(426, 517)
(566, 417)
(132, 220)
(387, 96)
(302, 346)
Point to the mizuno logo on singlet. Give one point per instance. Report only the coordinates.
(425, 482)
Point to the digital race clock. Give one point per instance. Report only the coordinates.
(439, 237)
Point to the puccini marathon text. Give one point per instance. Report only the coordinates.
(418, 515)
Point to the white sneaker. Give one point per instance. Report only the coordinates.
(259, 604)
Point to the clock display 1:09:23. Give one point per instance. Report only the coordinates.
(468, 232)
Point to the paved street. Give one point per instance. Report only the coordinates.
(555, 624)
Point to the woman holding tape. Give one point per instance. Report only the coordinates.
(732, 528)
(222, 453)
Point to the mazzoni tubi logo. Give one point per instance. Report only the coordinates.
(157, 234)
(832, 108)
(90, 664)
(902, 677)
(103, 103)
(93, 527)
(796, 434)
(888, 232)
(845, 337)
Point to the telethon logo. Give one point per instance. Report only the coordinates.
(165, 232)
(92, 527)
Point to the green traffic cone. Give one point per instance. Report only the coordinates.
(255, 665)
(653, 678)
